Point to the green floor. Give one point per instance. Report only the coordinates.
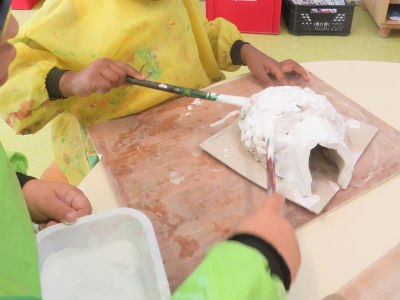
(362, 44)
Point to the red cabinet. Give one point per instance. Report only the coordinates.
(23, 4)
(253, 16)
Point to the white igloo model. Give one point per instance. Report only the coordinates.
(303, 121)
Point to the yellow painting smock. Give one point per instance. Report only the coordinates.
(168, 40)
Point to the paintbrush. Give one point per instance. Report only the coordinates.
(189, 92)
(270, 163)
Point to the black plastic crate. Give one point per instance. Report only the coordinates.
(318, 19)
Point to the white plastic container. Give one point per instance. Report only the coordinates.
(107, 230)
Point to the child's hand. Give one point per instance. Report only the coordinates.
(99, 77)
(268, 223)
(262, 66)
(51, 202)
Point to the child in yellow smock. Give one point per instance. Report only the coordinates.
(73, 56)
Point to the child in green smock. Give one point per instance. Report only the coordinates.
(24, 198)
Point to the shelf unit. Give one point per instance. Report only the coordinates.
(378, 10)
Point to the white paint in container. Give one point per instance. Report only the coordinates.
(104, 271)
(110, 255)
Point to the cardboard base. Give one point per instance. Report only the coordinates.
(227, 148)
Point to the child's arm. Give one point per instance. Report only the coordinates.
(230, 52)
(23, 99)
(29, 99)
(262, 67)
(50, 202)
(257, 263)
(99, 77)
(232, 271)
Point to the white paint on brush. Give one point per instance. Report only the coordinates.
(219, 122)
(235, 100)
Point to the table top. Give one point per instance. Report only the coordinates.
(354, 82)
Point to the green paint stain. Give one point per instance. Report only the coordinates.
(24, 40)
(114, 101)
(93, 55)
(60, 53)
(123, 92)
(62, 140)
(188, 28)
(148, 60)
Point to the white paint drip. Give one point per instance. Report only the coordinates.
(176, 178)
(235, 100)
(196, 153)
(101, 272)
(227, 153)
(189, 107)
(163, 86)
(197, 102)
(361, 183)
(219, 122)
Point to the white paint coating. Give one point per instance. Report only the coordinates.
(189, 107)
(226, 153)
(235, 100)
(334, 185)
(176, 178)
(353, 123)
(230, 114)
(101, 272)
(303, 120)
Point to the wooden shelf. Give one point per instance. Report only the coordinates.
(378, 10)
(393, 24)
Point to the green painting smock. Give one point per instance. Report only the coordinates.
(232, 271)
(19, 271)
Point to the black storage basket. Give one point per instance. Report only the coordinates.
(318, 19)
